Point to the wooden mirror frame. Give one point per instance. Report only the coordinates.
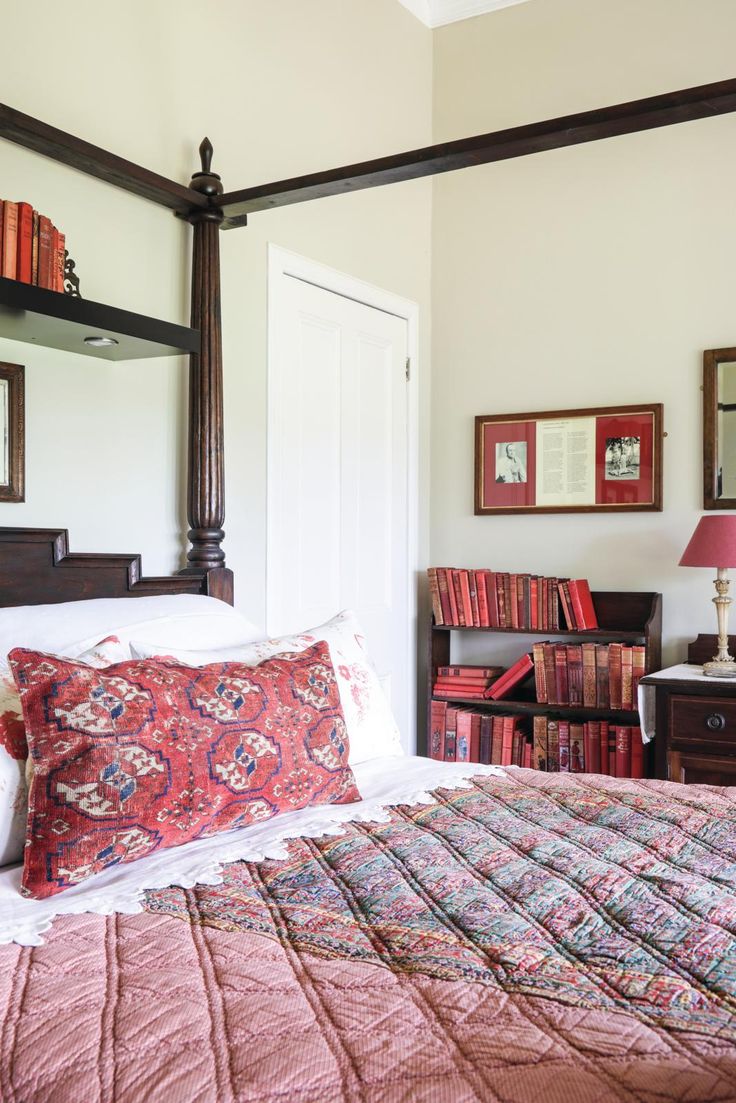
(711, 359)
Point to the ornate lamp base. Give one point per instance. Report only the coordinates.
(720, 669)
(722, 665)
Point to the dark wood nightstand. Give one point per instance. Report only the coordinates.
(695, 723)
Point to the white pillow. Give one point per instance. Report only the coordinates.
(174, 620)
(372, 730)
(14, 751)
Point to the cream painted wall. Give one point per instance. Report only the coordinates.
(582, 277)
(281, 88)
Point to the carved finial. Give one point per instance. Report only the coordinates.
(207, 182)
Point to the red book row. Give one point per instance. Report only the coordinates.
(496, 599)
(464, 681)
(595, 747)
(31, 247)
(594, 675)
(462, 735)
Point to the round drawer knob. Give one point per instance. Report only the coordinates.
(716, 722)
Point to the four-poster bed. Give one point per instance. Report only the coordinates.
(515, 937)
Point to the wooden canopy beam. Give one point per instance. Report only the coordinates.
(519, 141)
(33, 134)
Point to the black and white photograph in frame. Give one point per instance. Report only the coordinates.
(511, 461)
(622, 457)
(12, 441)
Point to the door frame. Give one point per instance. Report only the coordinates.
(282, 262)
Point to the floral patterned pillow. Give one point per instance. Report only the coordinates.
(145, 755)
(14, 751)
(371, 726)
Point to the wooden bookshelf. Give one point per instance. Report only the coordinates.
(633, 617)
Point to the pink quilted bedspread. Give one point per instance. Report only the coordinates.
(533, 939)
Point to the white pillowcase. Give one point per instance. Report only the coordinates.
(174, 620)
(13, 789)
(372, 730)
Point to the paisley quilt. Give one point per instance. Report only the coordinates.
(534, 937)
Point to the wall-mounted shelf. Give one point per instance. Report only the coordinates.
(42, 317)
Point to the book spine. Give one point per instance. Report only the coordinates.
(593, 755)
(627, 678)
(496, 740)
(540, 682)
(10, 240)
(501, 586)
(638, 669)
(590, 619)
(457, 590)
(554, 605)
(34, 251)
(603, 747)
(623, 751)
(474, 606)
(575, 673)
(450, 735)
(486, 726)
(601, 680)
(637, 754)
(544, 611)
(434, 593)
(492, 595)
(526, 757)
(577, 748)
(462, 745)
(2, 209)
(437, 727)
(445, 606)
(563, 738)
(561, 680)
(550, 680)
(553, 746)
(24, 262)
(44, 251)
(465, 597)
(516, 748)
(475, 719)
(508, 724)
(512, 601)
(614, 675)
(60, 250)
(476, 672)
(534, 602)
(590, 696)
(513, 677)
(540, 742)
(482, 592)
(575, 603)
(566, 610)
(612, 750)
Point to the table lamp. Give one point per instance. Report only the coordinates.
(713, 544)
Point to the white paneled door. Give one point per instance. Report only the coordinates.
(338, 471)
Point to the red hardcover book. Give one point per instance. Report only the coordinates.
(513, 677)
(465, 597)
(638, 669)
(10, 240)
(637, 753)
(482, 592)
(34, 250)
(544, 603)
(434, 593)
(458, 693)
(627, 679)
(438, 713)
(614, 675)
(550, 679)
(24, 262)
(566, 610)
(593, 752)
(540, 682)
(534, 603)
(526, 759)
(507, 740)
(512, 600)
(553, 746)
(582, 603)
(54, 258)
(603, 747)
(60, 262)
(496, 740)
(450, 734)
(486, 727)
(474, 606)
(2, 206)
(525, 616)
(590, 695)
(612, 750)
(516, 748)
(480, 673)
(623, 751)
(562, 694)
(475, 719)
(492, 597)
(554, 604)
(563, 738)
(445, 607)
(577, 748)
(540, 742)
(456, 589)
(462, 745)
(601, 676)
(575, 673)
(44, 251)
(501, 586)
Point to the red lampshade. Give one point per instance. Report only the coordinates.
(713, 544)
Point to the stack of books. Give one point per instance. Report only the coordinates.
(463, 735)
(490, 599)
(594, 675)
(464, 681)
(593, 747)
(31, 247)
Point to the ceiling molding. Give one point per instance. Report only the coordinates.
(437, 13)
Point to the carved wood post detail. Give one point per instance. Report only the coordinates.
(205, 486)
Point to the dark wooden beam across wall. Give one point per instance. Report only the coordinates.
(519, 141)
(33, 134)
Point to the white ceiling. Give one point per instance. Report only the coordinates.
(436, 13)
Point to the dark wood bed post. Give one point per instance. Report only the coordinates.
(206, 467)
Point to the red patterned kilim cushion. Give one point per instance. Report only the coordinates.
(149, 754)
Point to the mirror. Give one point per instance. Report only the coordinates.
(719, 429)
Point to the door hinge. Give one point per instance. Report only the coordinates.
(408, 369)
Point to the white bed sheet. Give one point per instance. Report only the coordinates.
(381, 781)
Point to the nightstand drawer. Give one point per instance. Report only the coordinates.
(706, 722)
(697, 769)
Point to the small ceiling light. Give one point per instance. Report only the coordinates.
(100, 342)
